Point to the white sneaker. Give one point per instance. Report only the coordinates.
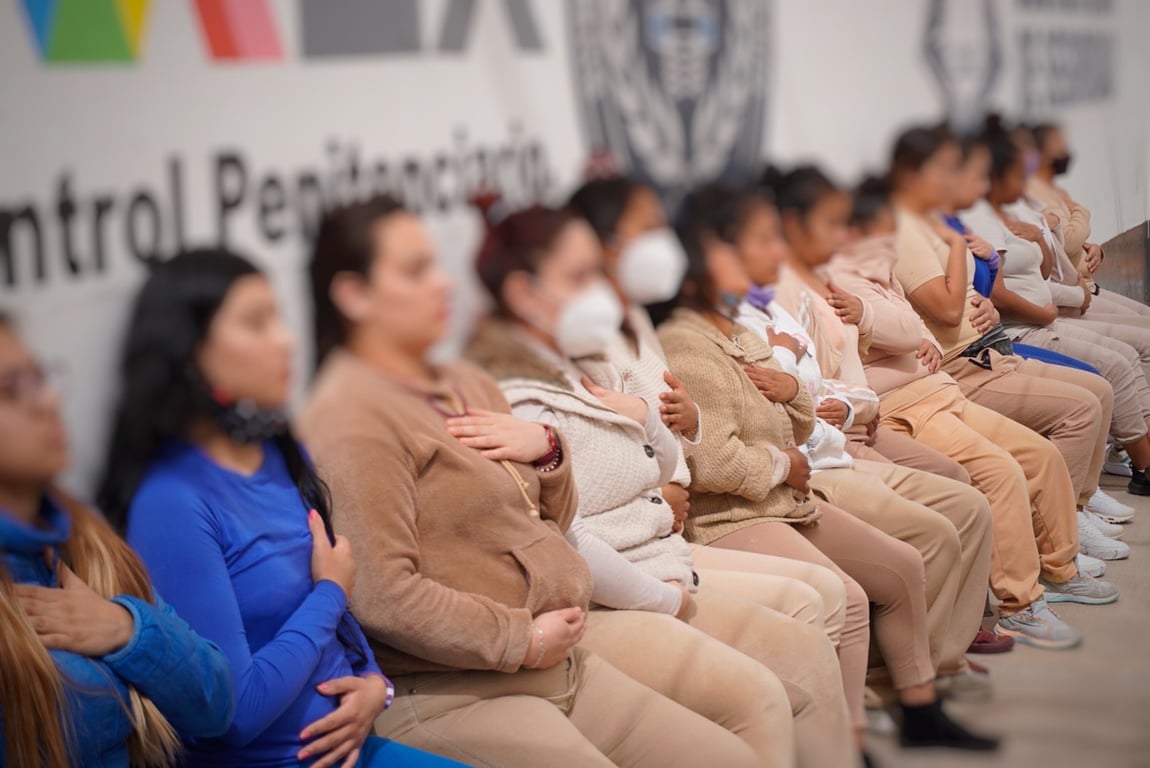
(1090, 566)
(1109, 508)
(1117, 463)
(1093, 543)
(1106, 529)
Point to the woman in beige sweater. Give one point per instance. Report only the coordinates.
(456, 512)
(644, 262)
(657, 613)
(750, 483)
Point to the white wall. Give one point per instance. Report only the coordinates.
(843, 77)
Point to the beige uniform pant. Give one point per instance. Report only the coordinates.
(776, 582)
(713, 662)
(1054, 401)
(1111, 303)
(1023, 477)
(582, 712)
(950, 526)
(1118, 362)
(904, 450)
(874, 568)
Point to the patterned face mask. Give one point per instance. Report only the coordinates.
(245, 422)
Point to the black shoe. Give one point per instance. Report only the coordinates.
(929, 726)
(1139, 484)
(868, 761)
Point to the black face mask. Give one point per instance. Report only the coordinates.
(245, 422)
(1061, 164)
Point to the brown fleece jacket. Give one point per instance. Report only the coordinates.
(453, 561)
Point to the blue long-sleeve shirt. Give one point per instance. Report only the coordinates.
(182, 673)
(232, 554)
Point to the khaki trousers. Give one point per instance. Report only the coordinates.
(1023, 477)
(582, 712)
(725, 661)
(904, 450)
(947, 522)
(1111, 303)
(1069, 407)
(874, 568)
(779, 583)
(1118, 363)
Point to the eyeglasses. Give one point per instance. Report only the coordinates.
(26, 386)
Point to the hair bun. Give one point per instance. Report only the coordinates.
(491, 206)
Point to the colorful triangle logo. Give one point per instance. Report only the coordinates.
(87, 31)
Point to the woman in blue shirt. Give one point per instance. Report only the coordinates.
(94, 669)
(234, 525)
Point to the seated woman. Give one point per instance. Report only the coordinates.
(457, 511)
(543, 270)
(948, 522)
(215, 493)
(934, 268)
(750, 484)
(1022, 294)
(1101, 509)
(1022, 475)
(1106, 308)
(96, 669)
(644, 263)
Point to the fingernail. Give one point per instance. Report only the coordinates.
(305, 735)
(313, 514)
(323, 686)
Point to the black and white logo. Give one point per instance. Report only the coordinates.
(965, 55)
(674, 89)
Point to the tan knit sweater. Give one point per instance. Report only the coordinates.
(737, 471)
(453, 561)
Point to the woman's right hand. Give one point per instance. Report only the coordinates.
(330, 562)
(799, 477)
(945, 232)
(634, 408)
(776, 386)
(562, 630)
(929, 356)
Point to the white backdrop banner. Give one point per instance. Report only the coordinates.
(131, 128)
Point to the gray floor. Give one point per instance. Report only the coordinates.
(1087, 708)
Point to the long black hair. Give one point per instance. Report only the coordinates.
(163, 394)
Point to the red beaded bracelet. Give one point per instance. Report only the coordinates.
(550, 460)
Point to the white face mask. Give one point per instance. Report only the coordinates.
(651, 267)
(589, 321)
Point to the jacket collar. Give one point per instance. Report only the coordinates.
(17, 536)
(506, 352)
(743, 344)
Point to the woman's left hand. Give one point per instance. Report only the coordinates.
(500, 436)
(678, 410)
(833, 412)
(74, 618)
(847, 306)
(340, 735)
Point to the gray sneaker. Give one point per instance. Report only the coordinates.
(1039, 626)
(1081, 589)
